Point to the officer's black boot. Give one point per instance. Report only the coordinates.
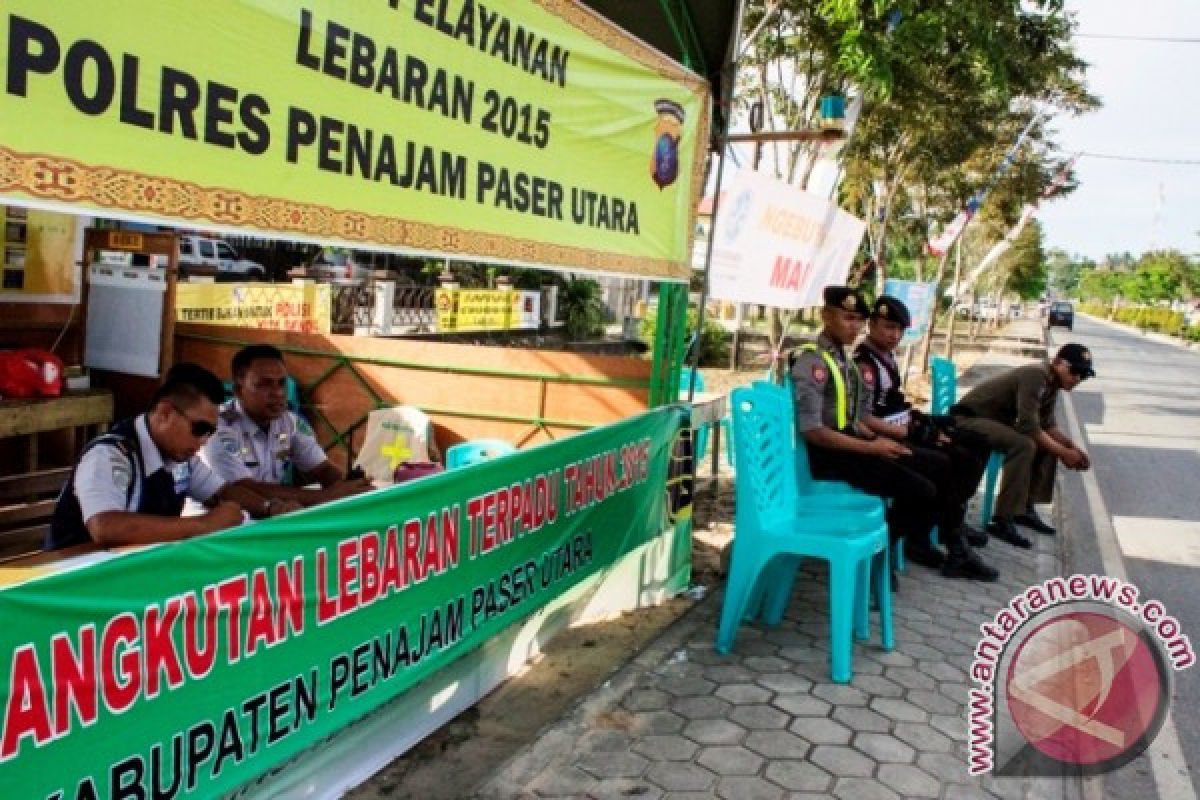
(1003, 529)
(1030, 519)
(962, 562)
(924, 553)
(974, 536)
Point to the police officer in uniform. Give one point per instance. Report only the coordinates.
(130, 484)
(1014, 413)
(893, 416)
(831, 405)
(261, 445)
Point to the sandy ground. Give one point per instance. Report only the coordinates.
(450, 763)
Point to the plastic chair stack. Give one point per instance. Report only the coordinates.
(944, 395)
(777, 525)
(468, 453)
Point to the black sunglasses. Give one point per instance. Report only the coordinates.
(201, 428)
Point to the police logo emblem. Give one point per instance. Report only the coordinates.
(849, 303)
(881, 310)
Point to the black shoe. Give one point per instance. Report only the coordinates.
(973, 536)
(925, 555)
(1031, 520)
(966, 564)
(1004, 530)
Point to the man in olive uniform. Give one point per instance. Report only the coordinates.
(1014, 412)
(892, 415)
(831, 403)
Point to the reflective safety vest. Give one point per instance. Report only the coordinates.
(839, 383)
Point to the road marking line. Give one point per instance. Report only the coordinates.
(1172, 541)
(1170, 769)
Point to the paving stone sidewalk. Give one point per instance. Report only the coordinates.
(682, 721)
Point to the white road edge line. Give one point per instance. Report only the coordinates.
(1171, 776)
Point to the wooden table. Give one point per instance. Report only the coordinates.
(709, 408)
(87, 409)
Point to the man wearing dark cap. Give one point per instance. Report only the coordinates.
(893, 416)
(831, 404)
(1014, 413)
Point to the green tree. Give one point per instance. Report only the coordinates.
(1025, 263)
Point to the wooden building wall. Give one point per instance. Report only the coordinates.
(343, 378)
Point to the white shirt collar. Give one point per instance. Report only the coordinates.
(152, 459)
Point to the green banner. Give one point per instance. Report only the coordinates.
(513, 131)
(186, 670)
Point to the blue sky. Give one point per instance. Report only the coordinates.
(1151, 95)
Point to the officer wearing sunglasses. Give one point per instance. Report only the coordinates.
(130, 484)
(1014, 413)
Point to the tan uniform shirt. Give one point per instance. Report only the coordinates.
(815, 393)
(1023, 398)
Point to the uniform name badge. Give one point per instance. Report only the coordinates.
(180, 474)
(899, 418)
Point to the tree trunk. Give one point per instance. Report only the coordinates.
(927, 339)
(948, 349)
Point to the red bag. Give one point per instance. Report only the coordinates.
(30, 373)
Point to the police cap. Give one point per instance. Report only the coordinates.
(846, 298)
(1079, 357)
(891, 309)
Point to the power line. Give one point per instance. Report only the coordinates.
(1131, 38)
(1143, 159)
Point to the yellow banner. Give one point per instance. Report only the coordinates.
(517, 131)
(485, 310)
(304, 308)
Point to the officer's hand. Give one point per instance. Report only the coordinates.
(888, 448)
(1074, 459)
(943, 438)
(1085, 461)
(224, 515)
(284, 507)
(351, 486)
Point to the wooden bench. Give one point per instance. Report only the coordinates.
(27, 499)
(26, 503)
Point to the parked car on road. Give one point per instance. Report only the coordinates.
(339, 265)
(1061, 314)
(200, 255)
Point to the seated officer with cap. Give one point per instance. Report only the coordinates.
(266, 448)
(831, 404)
(1014, 413)
(130, 483)
(893, 416)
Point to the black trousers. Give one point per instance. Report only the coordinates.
(968, 461)
(930, 487)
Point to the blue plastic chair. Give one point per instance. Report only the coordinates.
(809, 485)
(944, 394)
(468, 453)
(827, 491)
(685, 378)
(777, 526)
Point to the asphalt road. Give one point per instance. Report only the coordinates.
(1140, 418)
